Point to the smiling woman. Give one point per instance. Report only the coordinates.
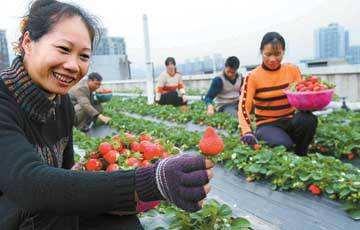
(37, 188)
(56, 50)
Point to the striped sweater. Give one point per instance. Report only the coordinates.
(263, 89)
(167, 83)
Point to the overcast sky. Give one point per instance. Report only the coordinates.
(196, 28)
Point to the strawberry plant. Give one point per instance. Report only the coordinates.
(284, 170)
(338, 134)
(213, 216)
(196, 113)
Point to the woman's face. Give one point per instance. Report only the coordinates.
(272, 55)
(171, 68)
(60, 58)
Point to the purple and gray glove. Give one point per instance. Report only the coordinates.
(249, 139)
(179, 180)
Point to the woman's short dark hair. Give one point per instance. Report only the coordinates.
(170, 60)
(273, 38)
(232, 62)
(44, 14)
(95, 76)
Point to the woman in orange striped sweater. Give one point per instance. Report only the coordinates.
(276, 120)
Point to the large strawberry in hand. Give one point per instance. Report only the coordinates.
(211, 144)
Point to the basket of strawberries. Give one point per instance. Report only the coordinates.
(103, 95)
(310, 94)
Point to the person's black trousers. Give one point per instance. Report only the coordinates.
(171, 98)
(294, 133)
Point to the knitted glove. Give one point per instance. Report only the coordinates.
(179, 180)
(249, 139)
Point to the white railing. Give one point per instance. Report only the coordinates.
(347, 83)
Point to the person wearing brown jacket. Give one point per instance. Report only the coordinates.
(87, 110)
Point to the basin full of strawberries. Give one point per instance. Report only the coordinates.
(310, 94)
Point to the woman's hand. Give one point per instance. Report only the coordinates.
(182, 180)
(249, 139)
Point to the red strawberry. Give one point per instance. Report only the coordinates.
(135, 146)
(299, 87)
(93, 165)
(112, 168)
(105, 147)
(257, 147)
(309, 84)
(211, 144)
(143, 144)
(303, 89)
(145, 137)
(313, 79)
(159, 150)
(314, 189)
(323, 149)
(112, 156)
(148, 149)
(132, 161)
(351, 156)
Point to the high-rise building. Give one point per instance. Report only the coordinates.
(205, 65)
(110, 58)
(353, 56)
(4, 53)
(110, 45)
(331, 41)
